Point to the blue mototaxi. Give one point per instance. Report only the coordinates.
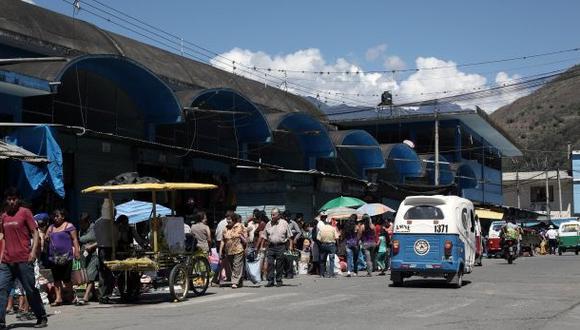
(434, 236)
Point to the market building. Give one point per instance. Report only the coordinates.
(97, 104)
(470, 146)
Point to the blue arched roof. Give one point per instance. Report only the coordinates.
(157, 101)
(360, 146)
(311, 133)
(466, 177)
(446, 175)
(251, 126)
(405, 160)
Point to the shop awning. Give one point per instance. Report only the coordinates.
(488, 214)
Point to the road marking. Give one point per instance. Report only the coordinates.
(271, 297)
(207, 299)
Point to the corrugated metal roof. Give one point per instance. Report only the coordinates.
(37, 29)
(535, 175)
(10, 151)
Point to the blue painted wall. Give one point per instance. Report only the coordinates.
(10, 107)
(576, 183)
(456, 142)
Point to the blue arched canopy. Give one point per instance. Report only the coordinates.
(402, 161)
(465, 177)
(247, 119)
(358, 150)
(446, 175)
(156, 101)
(310, 134)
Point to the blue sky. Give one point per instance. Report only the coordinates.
(369, 35)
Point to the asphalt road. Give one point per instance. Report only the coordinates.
(533, 293)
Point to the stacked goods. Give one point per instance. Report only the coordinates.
(137, 264)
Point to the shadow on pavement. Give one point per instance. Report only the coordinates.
(429, 284)
(148, 299)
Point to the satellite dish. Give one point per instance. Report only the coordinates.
(409, 143)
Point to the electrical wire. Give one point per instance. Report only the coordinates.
(284, 81)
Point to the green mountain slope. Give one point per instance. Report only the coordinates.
(544, 123)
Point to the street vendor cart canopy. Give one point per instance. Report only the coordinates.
(169, 186)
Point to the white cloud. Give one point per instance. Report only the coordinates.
(503, 79)
(375, 52)
(326, 86)
(394, 63)
(362, 88)
(29, 1)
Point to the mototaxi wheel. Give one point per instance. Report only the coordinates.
(199, 275)
(455, 279)
(179, 282)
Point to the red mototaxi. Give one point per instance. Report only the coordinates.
(493, 240)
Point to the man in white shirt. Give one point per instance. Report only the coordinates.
(552, 235)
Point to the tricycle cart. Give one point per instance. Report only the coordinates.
(184, 271)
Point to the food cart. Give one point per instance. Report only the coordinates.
(186, 270)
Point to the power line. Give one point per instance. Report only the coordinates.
(461, 65)
(490, 92)
(301, 88)
(179, 48)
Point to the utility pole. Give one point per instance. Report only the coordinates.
(518, 188)
(436, 145)
(547, 194)
(559, 192)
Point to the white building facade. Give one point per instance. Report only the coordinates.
(531, 189)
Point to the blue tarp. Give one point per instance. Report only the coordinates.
(138, 211)
(32, 178)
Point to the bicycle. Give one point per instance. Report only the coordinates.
(192, 272)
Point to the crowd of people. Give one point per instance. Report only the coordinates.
(43, 252)
(285, 244)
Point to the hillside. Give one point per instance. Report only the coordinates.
(548, 119)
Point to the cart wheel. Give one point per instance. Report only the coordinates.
(559, 252)
(179, 282)
(200, 275)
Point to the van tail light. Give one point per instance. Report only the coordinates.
(448, 246)
(396, 247)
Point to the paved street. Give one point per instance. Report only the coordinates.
(534, 293)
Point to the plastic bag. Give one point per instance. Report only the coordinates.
(253, 269)
(79, 273)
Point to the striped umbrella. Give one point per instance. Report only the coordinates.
(373, 209)
(339, 213)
